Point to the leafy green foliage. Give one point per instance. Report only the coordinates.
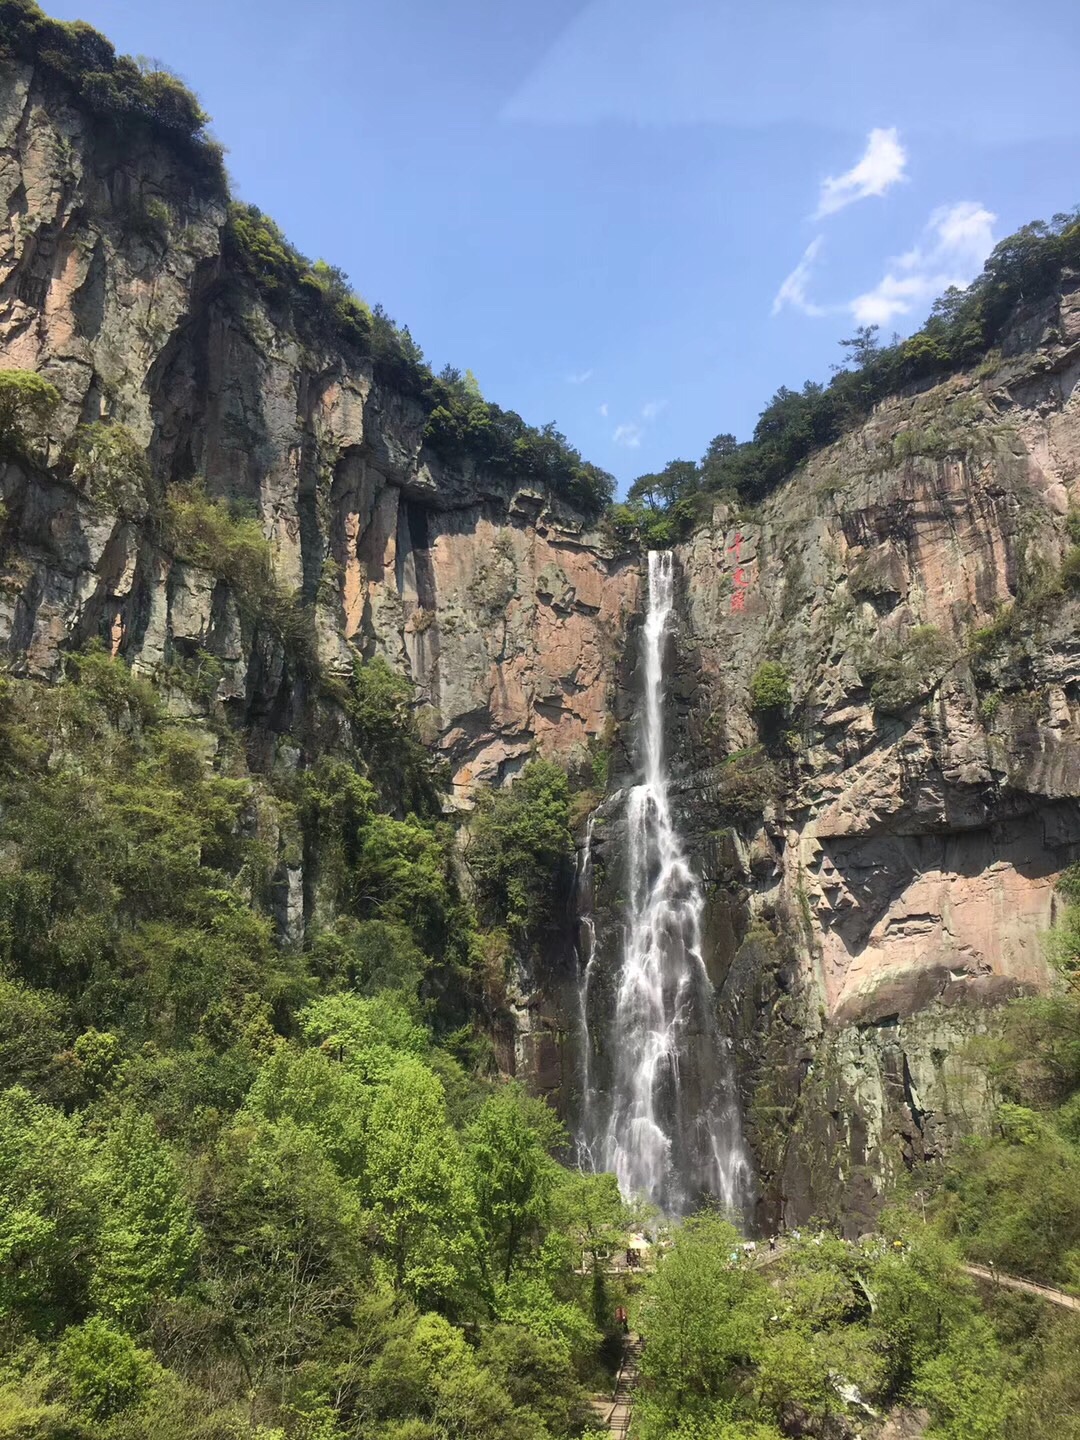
(521, 851)
(48, 1212)
(103, 1369)
(379, 705)
(421, 1206)
(464, 424)
(27, 404)
(1012, 1199)
(509, 1144)
(243, 1189)
(211, 534)
(746, 783)
(804, 1345)
(770, 687)
(222, 539)
(114, 88)
(147, 1238)
(703, 1319)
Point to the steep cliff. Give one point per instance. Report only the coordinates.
(883, 847)
(879, 845)
(492, 596)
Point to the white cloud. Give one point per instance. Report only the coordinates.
(957, 240)
(603, 410)
(881, 166)
(793, 291)
(578, 377)
(628, 436)
(652, 408)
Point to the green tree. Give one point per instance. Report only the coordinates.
(520, 850)
(770, 687)
(513, 1174)
(147, 1241)
(421, 1208)
(27, 404)
(704, 1320)
(321, 1094)
(863, 347)
(284, 1255)
(48, 1212)
(963, 1387)
(103, 1370)
(368, 1034)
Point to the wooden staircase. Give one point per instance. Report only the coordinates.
(615, 1413)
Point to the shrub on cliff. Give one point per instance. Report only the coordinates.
(520, 850)
(27, 404)
(464, 424)
(111, 468)
(770, 688)
(747, 783)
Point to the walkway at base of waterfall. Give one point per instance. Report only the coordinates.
(615, 1412)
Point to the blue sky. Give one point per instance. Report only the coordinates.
(634, 220)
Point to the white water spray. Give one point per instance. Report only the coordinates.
(672, 1132)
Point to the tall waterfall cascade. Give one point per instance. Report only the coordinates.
(661, 1111)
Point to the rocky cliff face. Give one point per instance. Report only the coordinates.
(880, 854)
(883, 852)
(503, 610)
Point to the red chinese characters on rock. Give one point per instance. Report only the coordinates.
(740, 580)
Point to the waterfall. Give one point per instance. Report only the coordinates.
(672, 1130)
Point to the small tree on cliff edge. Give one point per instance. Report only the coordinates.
(770, 689)
(27, 403)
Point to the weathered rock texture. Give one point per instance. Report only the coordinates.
(506, 614)
(880, 858)
(917, 800)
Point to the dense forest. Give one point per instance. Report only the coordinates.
(253, 1188)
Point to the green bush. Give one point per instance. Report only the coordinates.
(463, 424)
(906, 668)
(520, 851)
(27, 404)
(746, 783)
(770, 687)
(216, 537)
(1070, 568)
(104, 1370)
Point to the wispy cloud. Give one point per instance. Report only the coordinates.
(604, 410)
(652, 408)
(883, 164)
(793, 291)
(628, 435)
(578, 377)
(957, 240)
